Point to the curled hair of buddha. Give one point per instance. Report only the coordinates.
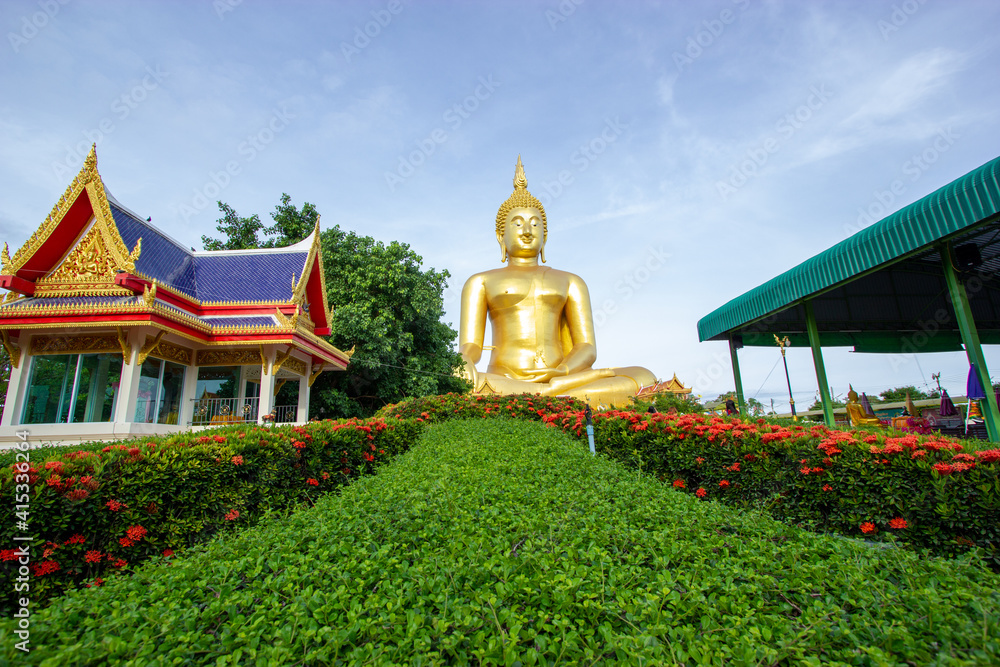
(520, 198)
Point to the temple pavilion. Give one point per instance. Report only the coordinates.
(116, 330)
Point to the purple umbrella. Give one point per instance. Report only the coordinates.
(973, 387)
(947, 407)
(866, 405)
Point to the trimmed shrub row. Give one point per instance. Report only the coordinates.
(927, 491)
(93, 512)
(501, 542)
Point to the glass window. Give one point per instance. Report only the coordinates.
(68, 388)
(159, 392)
(218, 382)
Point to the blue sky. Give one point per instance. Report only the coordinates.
(686, 152)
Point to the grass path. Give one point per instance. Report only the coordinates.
(502, 542)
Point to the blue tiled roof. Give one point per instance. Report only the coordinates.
(161, 258)
(249, 277)
(223, 276)
(241, 321)
(72, 301)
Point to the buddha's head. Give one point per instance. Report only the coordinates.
(521, 226)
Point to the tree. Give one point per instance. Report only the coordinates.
(290, 224)
(899, 394)
(241, 233)
(818, 404)
(389, 310)
(382, 303)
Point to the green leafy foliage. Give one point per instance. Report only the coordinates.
(899, 394)
(947, 494)
(384, 306)
(96, 512)
(502, 542)
(389, 310)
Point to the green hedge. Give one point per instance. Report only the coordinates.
(94, 512)
(925, 491)
(502, 542)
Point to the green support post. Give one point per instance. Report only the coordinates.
(817, 350)
(970, 338)
(736, 376)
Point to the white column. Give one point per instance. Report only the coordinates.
(302, 413)
(15, 386)
(186, 414)
(128, 387)
(266, 401)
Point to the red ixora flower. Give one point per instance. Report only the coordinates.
(724, 484)
(232, 515)
(125, 542)
(368, 457)
(679, 483)
(944, 469)
(898, 523)
(312, 482)
(867, 527)
(115, 506)
(136, 533)
(97, 582)
(701, 492)
(237, 460)
(167, 553)
(76, 539)
(45, 567)
(827, 487)
(93, 556)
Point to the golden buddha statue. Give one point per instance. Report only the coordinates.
(542, 323)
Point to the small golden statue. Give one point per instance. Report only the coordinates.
(542, 323)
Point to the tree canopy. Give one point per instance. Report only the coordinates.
(383, 304)
(899, 394)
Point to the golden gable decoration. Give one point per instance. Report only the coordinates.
(239, 357)
(297, 366)
(90, 267)
(75, 344)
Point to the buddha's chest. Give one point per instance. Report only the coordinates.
(518, 291)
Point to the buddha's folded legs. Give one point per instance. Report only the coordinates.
(609, 386)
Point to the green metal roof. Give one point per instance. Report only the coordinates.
(961, 205)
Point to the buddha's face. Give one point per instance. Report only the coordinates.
(523, 234)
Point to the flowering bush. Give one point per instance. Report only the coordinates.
(95, 512)
(926, 488)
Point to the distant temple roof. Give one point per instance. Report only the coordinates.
(673, 385)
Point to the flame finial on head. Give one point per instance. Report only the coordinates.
(520, 180)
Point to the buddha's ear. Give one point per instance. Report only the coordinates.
(541, 254)
(503, 248)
